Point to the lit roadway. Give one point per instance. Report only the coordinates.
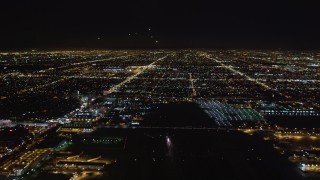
(194, 92)
(60, 67)
(128, 79)
(78, 76)
(64, 78)
(81, 63)
(179, 128)
(155, 86)
(231, 68)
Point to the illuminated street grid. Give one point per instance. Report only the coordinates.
(81, 91)
(251, 79)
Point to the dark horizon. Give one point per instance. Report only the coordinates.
(160, 24)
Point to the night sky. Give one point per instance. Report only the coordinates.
(160, 24)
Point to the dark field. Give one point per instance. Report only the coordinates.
(199, 154)
(299, 122)
(179, 115)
